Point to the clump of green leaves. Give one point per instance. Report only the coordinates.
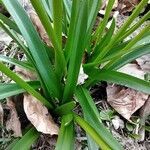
(74, 19)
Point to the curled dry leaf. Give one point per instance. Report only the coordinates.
(13, 122)
(133, 70)
(127, 5)
(125, 100)
(36, 21)
(144, 63)
(25, 74)
(39, 116)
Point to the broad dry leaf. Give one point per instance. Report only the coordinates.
(127, 5)
(144, 63)
(13, 122)
(39, 116)
(125, 100)
(1, 114)
(36, 21)
(133, 70)
(25, 74)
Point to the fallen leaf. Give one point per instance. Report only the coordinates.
(144, 63)
(25, 74)
(125, 100)
(13, 122)
(133, 70)
(36, 21)
(39, 116)
(127, 5)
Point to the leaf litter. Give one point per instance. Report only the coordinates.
(44, 112)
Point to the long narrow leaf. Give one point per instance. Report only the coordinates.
(119, 78)
(16, 62)
(57, 19)
(93, 118)
(10, 89)
(133, 28)
(18, 41)
(59, 56)
(45, 71)
(136, 53)
(78, 46)
(65, 139)
(122, 30)
(91, 131)
(9, 23)
(102, 25)
(93, 8)
(24, 85)
(27, 140)
(103, 41)
(128, 47)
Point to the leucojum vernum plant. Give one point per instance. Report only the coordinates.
(57, 66)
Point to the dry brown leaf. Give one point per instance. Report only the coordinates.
(36, 21)
(133, 70)
(13, 122)
(127, 5)
(1, 114)
(125, 100)
(39, 116)
(25, 74)
(144, 63)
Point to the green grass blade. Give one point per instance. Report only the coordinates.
(10, 89)
(133, 28)
(102, 25)
(68, 5)
(17, 40)
(45, 71)
(16, 62)
(59, 56)
(93, 118)
(104, 41)
(128, 47)
(78, 46)
(65, 108)
(119, 78)
(27, 140)
(72, 28)
(93, 8)
(48, 10)
(91, 131)
(136, 53)
(65, 139)
(9, 23)
(24, 85)
(57, 19)
(121, 31)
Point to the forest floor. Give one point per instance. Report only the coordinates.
(126, 128)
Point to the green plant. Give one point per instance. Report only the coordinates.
(75, 19)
